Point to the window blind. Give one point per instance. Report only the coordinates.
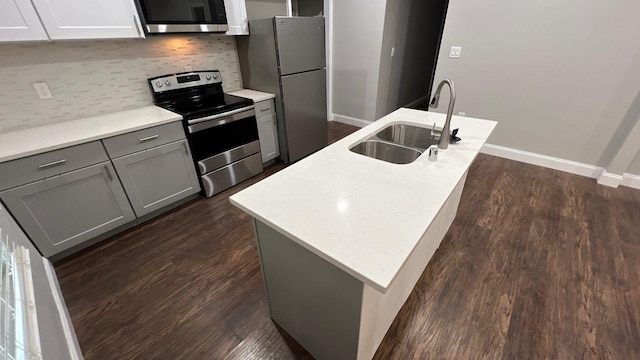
(19, 336)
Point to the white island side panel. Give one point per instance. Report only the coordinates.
(380, 309)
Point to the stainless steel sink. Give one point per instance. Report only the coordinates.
(408, 135)
(397, 143)
(385, 151)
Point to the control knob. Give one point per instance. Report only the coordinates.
(168, 82)
(215, 75)
(159, 84)
(208, 77)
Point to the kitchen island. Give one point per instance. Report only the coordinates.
(343, 238)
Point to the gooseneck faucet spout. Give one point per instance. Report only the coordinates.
(446, 130)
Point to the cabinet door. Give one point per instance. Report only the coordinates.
(237, 20)
(158, 177)
(60, 212)
(89, 19)
(19, 22)
(268, 134)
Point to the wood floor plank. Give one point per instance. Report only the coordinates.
(538, 264)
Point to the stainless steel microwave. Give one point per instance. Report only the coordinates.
(178, 16)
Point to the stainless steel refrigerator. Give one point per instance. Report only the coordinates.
(286, 56)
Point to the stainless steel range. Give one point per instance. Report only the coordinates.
(221, 128)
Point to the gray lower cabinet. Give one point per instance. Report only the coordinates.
(267, 129)
(62, 211)
(157, 177)
(268, 133)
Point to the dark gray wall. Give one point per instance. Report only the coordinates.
(310, 7)
(413, 27)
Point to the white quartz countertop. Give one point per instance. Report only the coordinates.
(361, 214)
(23, 143)
(253, 94)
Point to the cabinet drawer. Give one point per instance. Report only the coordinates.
(23, 171)
(126, 144)
(265, 107)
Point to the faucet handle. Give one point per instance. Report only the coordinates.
(435, 134)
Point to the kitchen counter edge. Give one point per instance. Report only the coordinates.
(32, 141)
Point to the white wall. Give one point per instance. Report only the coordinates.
(263, 9)
(558, 76)
(357, 42)
(89, 78)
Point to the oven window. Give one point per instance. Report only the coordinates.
(215, 140)
(184, 12)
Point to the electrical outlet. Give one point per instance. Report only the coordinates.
(42, 89)
(455, 51)
(462, 113)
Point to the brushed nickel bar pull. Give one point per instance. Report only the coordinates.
(55, 163)
(106, 169)
(186, 149)
(149, 138)
(266, 108)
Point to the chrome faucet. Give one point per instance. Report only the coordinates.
(445, 136)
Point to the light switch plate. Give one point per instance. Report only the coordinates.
(42, 89)
(455, 51)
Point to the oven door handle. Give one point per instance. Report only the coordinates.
(196, 125)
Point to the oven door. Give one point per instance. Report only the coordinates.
(172, 16)
(226, 149)
(222, 139)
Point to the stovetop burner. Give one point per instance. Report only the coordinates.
(195, 94)
(202, 106)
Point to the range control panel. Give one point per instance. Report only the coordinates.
(185, 80)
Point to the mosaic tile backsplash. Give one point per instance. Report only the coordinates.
(90, 78)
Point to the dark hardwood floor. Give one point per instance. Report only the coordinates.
(538, 264)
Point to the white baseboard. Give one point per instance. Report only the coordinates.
(631, 180)
(350, 120)
(550, 162)
(609, 179)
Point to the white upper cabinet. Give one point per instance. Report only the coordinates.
(89, 19)
(237, 17)
(19, 21)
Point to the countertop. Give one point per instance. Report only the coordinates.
(23, 143)
(364, 215)
(253, 94)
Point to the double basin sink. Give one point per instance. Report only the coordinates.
(397, 143)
